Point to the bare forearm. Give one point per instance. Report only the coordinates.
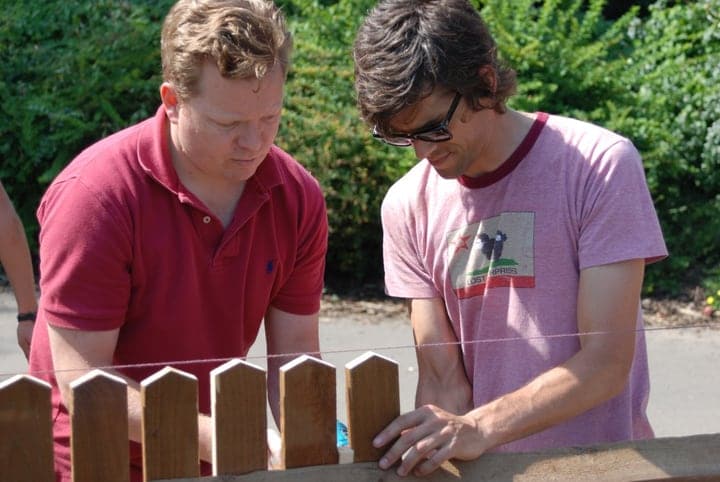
(287, 335)
(15, 259)
(449, 390)
(424, 438)
(552, 398)
(442, 380)
(273, 384)
(608, 302)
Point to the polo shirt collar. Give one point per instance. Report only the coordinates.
(153, 153)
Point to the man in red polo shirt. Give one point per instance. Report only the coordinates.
(173, 239)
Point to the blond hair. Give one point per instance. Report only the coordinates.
(243, 38)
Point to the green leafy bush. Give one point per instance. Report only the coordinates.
(567, 56)
(322, 129)
(673, 117)
(71, 73)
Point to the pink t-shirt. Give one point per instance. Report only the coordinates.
(571, 196)
(123, 244)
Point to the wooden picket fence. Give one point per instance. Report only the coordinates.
(98, 411)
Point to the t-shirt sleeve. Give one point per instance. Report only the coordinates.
(406, 275)
(618, 221)
(301, 291)
(84, 259)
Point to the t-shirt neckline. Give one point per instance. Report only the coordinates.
(511, 162)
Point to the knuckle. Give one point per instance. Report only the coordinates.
(428, 408)
(423, 445)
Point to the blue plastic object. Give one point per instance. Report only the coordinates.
(342, 434)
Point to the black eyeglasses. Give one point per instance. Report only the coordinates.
(436, 133)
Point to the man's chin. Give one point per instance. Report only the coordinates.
(446, 174)
(242, 170)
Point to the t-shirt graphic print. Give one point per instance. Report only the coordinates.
(495, 252)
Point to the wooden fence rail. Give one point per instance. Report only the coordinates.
(98, 411)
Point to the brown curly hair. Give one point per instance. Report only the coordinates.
(406, 48)
(244, 38)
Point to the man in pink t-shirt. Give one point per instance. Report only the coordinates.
(172, 240)
(519, 239)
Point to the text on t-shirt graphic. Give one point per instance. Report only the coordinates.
(494, 252)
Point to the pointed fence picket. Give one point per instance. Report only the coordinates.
(373, 401)
(307, 413)
(99, 420)
(239, 417)
(170, 425)
(98, 409)
(25, 430)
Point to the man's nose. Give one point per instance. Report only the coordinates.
(250, 138)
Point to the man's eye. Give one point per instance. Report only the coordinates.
(430, 126)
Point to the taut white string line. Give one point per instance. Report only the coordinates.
(365, 349)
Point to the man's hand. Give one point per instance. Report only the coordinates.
(24, 336)
(274, 449)
(428, 437)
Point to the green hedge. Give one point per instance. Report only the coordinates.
(322, 129)
(71, 73)
(74, 72)
(673, 116)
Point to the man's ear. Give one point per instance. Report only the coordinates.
(488, 74)
(170, 100)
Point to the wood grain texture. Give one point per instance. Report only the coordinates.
(26, 451)
(170, 425)
(307, 413)
(373, 401)
(239, 418)
(99, 421)
(683, 458)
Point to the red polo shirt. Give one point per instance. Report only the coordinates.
(123, 244)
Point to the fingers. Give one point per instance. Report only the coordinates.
(24, 336)
(432, 461)
(396, 427)
(427, 437)
(420, 453)
(25, 347)
(426, 455)
(420, 435)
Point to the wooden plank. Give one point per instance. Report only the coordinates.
(307, 413)
(99, 421)
(373, 401)
(239, 417)
(682, 458)
(170, 425)
(26, 451)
